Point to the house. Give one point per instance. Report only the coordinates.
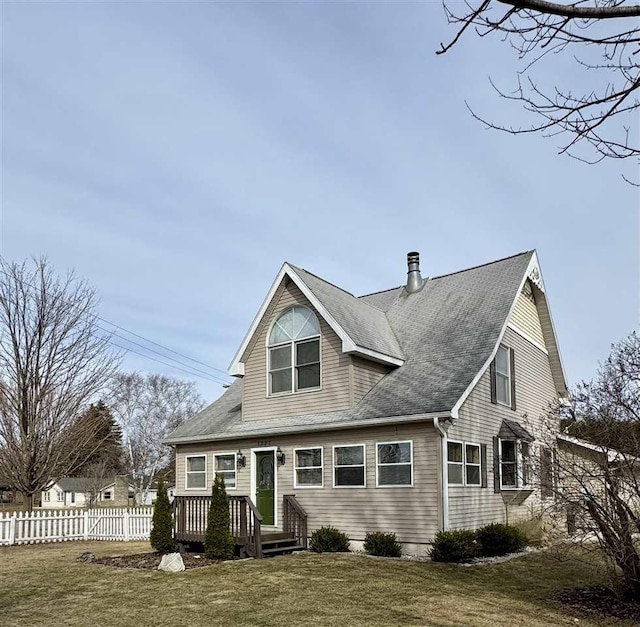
(118, 492)
(409, 410)
(67, 492)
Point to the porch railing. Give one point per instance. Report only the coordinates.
(190, 521)
(294, 519)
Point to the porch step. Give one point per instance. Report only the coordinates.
(279, 543)
(281, 550)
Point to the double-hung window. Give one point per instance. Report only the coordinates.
(394, 464)
(294, 352)
(308, 471)
(503, 376)
(224, 465)
(349, 466)
(196, 472)
(47, 496)
(514, 464)
(464, 464)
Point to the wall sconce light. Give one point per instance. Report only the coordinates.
(280, 456)
(241, 459)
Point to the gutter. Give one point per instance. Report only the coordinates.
(444, 492)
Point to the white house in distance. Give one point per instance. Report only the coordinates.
(76, 492)
(66, 492)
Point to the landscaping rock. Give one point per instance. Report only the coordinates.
(171, 563)
(87, 556)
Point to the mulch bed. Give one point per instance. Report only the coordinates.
(599, 600)
(151, 561)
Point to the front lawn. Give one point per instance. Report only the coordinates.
(45, 584)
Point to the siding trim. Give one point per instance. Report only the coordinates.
(527, 337)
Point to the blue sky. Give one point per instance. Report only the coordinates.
(175, 154)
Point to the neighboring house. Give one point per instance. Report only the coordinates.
(410, 410)
(118, 492)
(66, 492)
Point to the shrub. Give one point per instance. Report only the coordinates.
(382, 544)
(498, 539)
(218, 542)
(161, 537)
(329, 540)
(454, 546)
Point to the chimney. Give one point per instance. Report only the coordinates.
(414, 279)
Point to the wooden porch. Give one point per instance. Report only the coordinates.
(190, 524)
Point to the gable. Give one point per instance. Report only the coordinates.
(525, 319)
(334, 393)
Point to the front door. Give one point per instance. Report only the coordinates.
(265, 484)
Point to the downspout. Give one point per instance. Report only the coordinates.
(444, 493)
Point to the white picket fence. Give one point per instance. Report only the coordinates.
(62, 525)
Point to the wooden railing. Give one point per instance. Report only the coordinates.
(190, 521)
(294, 519)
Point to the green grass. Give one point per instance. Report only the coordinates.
(45, 584)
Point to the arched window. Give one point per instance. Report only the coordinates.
(294, 352)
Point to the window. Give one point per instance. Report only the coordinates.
(294, 352)
(60, 496)
(225, 466)
(308, 470)
(464, 464)
(455, 463)
(503, 376)
(73, 497)
(196, 472)
(47, 496)
(514, 464)
(394, 464)
(349, 466)
(472, 464)
(106, 495)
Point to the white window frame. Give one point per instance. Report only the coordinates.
(299, 486)
(294, 368)
(506, 375)
(47, 496)
(410, 464)
(186, 472)
(520, 463)
(226, 472)
(478, 465)
(464, 463)
(460, 463)
(60, 496)
(363, 465)
(105, 497)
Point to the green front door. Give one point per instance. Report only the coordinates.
(265, 484)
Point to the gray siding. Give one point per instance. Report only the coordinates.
(365, 375)
(335, 378)
(479, 420)
(411, 512)
(525, 315)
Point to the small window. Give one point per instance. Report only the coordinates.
(349, 466)
(73, 497)
(472, 464)
(308, 471)
(60, 496)
(47, 496)
(106, 496)
(503, 376)
(514, 464)
(196, 472)
(455, 463)
(294, 352)
(394, 464)
(225, 466)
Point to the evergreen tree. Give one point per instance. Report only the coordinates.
(162, 529)
(218, 543)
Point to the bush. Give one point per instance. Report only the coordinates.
(162, 524)
(382, 544)
(329, 540)
(218, 542)
(454, 546)
(498, 539)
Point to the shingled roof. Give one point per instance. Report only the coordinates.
(445, 334)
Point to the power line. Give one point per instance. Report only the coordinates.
(207, 374)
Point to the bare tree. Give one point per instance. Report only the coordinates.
(53, 363)
(148, 407)
(598, 482)
(596, 122)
